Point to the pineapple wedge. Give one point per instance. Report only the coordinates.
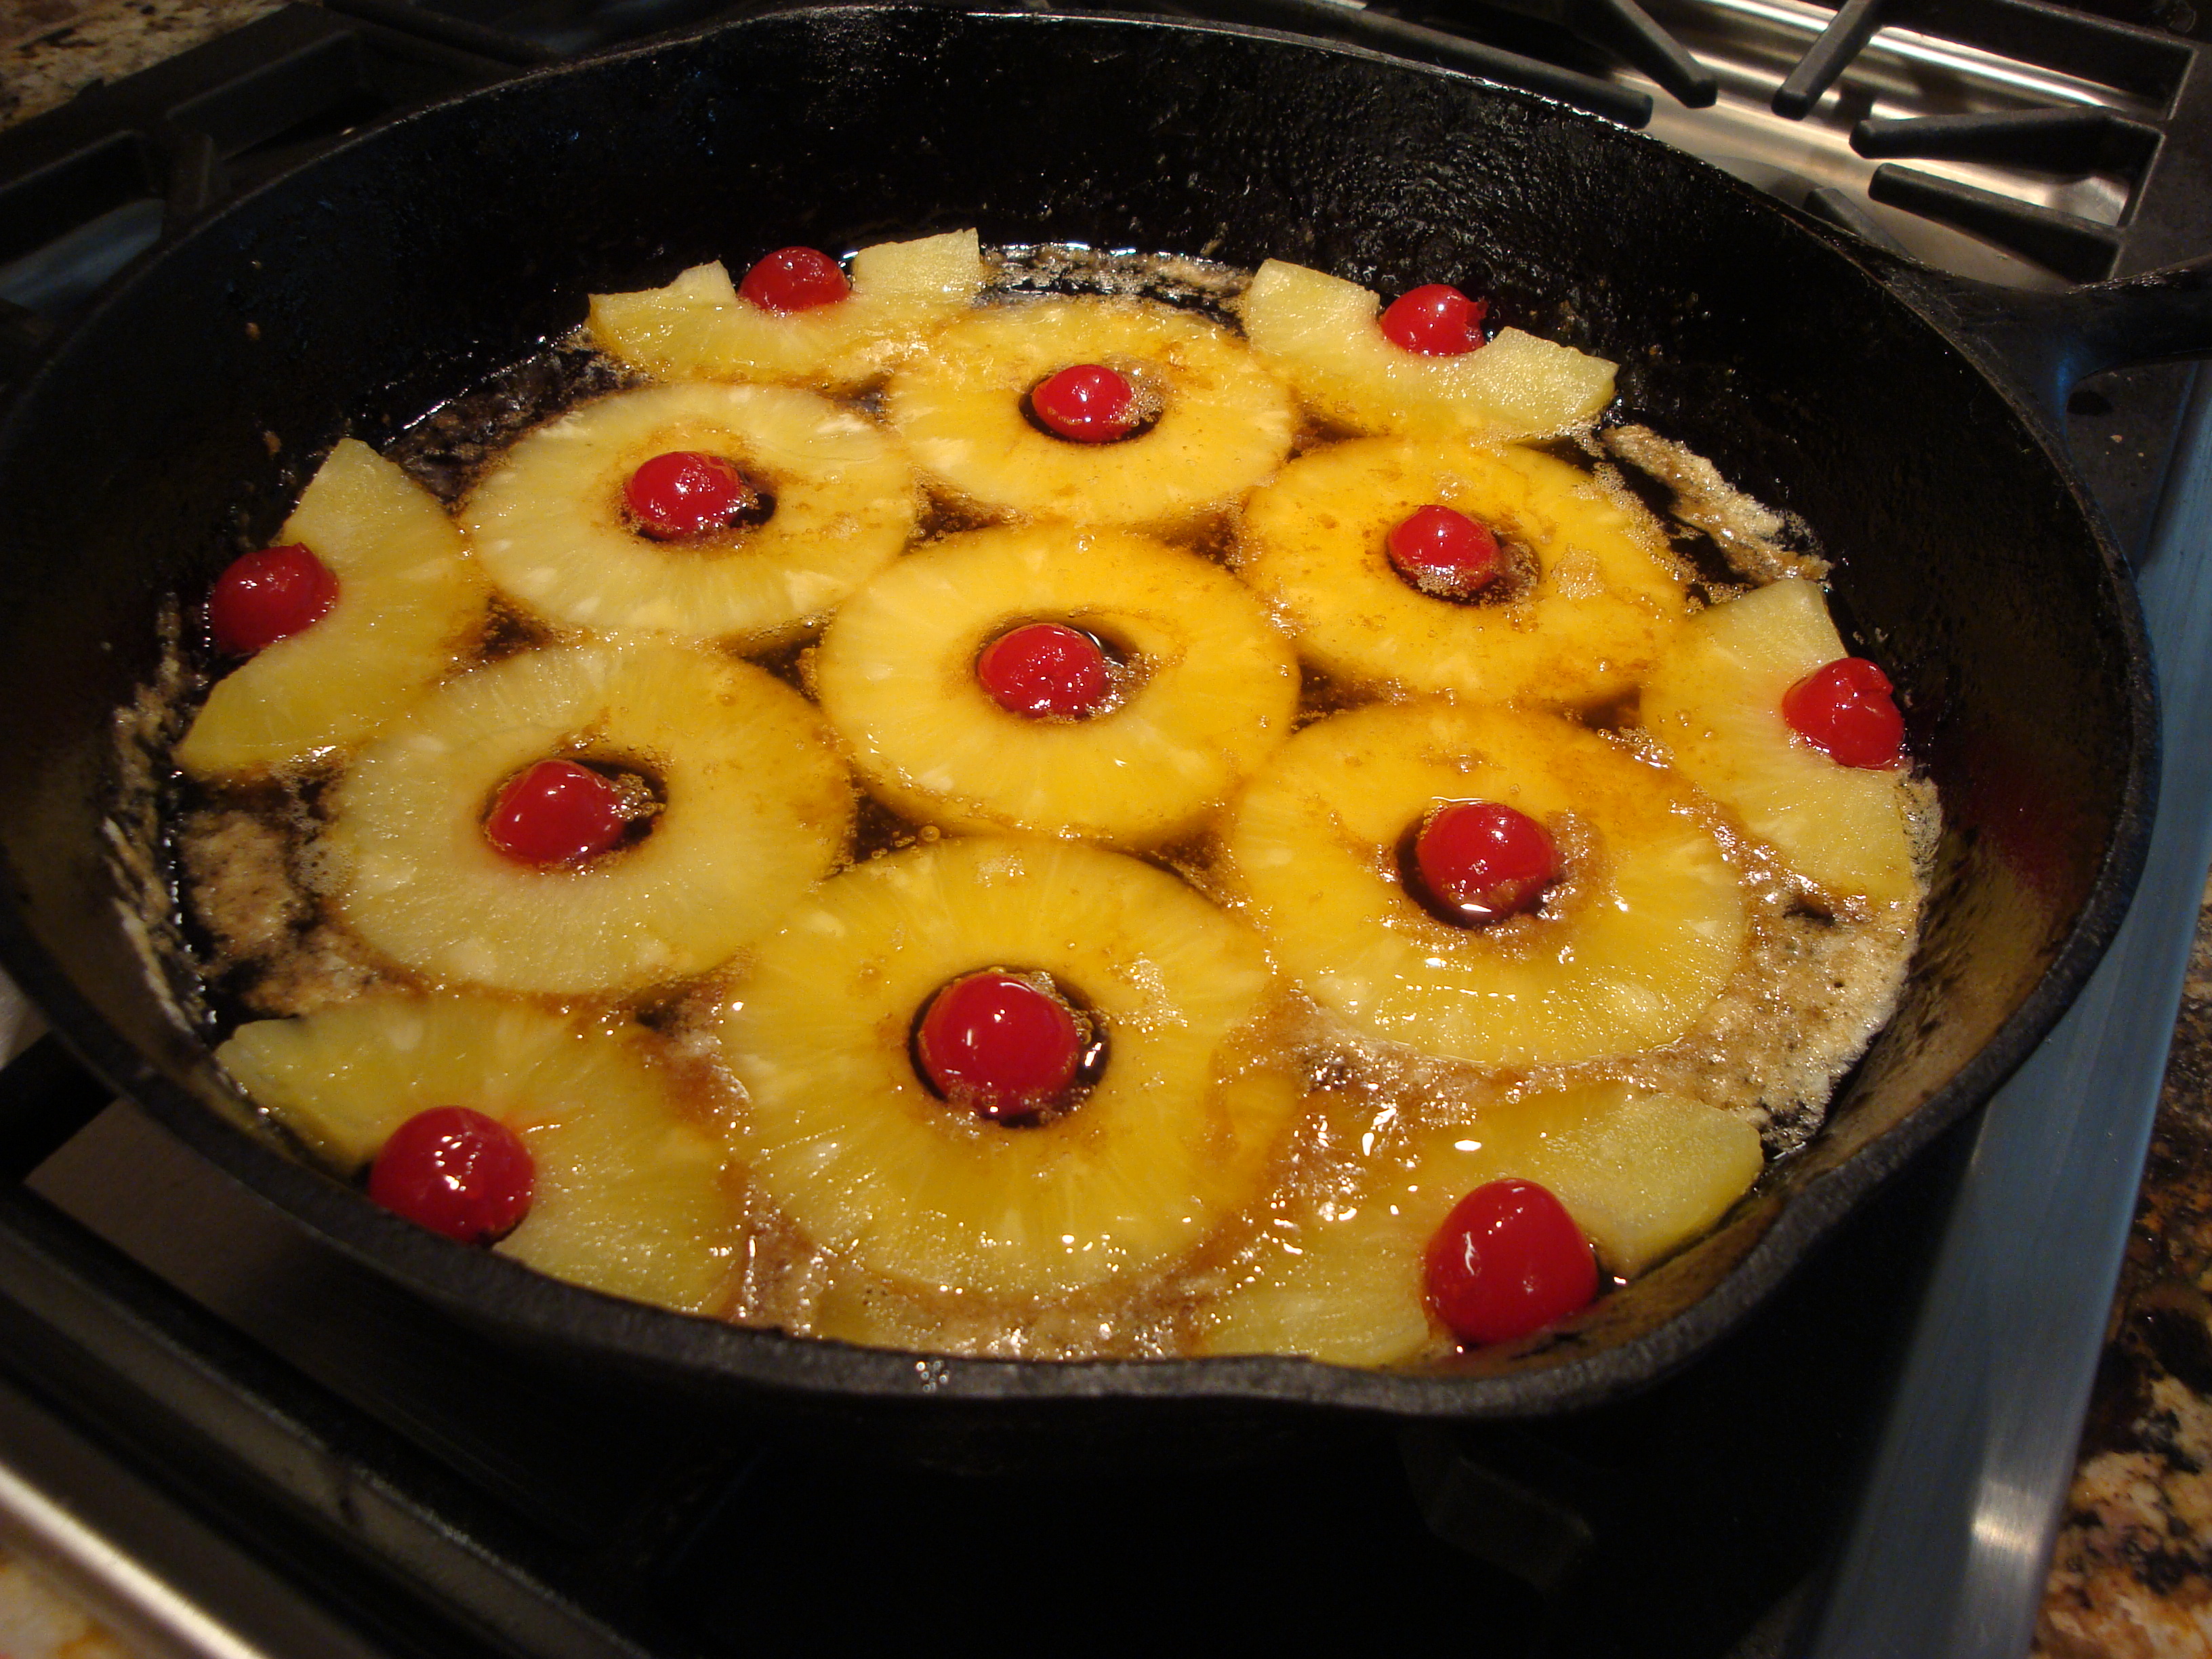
(1606, 595)
(410, 609)
(1715, 701)
(629, 1195)
(839, 1130)
(549, 527)
(1319, 333)
(696, 328)
(755, 808)
(1647, 924)
(1214, 685)
(1224, 422)
(1342, 1279)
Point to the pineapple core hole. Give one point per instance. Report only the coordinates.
(1011, 1047)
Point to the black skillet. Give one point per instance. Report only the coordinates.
(176, 422)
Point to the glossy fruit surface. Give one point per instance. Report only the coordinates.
(557, 812)
(1435, 319)
(1509, 1260)
(999, 1044)
(1086, 403)
(1044, 671)
(1845, 710)
(1443, 552)
(267, 596)
(1482, 860)
(794, 279)
(685, 493)
(457, 1172)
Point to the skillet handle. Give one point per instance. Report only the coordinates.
(2051, 342)
(45, 1097)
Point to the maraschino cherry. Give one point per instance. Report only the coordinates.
(557, 812)
(1481, 860)
(999, 1045)
(1443, 552)
(684, 493)
(1845, 710)
(1435, 319)
(268, 596)
(1044, 671)
(794, 279)
(457, 1172)
(1509, 1260)
(1088, 403)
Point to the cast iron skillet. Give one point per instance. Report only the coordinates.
(178, 422)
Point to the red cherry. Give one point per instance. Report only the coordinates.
(1845, 711)
(1044, 670)
(999, 1045)
(1437, 320)
(1509, 1260)
(1443, 552)
(557, 812)
(1484, 860)
(684, 493)
(794, 279)
(456, 1172)
(268, 596)
(1089, 404)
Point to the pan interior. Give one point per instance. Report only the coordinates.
(175, 426)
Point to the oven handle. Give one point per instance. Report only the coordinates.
(46, 1097)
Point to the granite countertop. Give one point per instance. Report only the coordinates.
(2132, 1575)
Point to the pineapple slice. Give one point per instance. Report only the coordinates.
(1319, 333)
(629, 1196)
(1715, 700)
(755, 808)
(1630, 947)
(1606, 595)
(548, 525)
(696, 328)
(1342, 1278)
(1225, 423)
(1212, 686)
(841, 1132)
(409, 610)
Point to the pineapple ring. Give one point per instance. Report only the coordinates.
(1224, 422)
(1319, 333)
(1652, 921)
(697, 328)
(756, 809)
(628, 1197)
(409, 609)
(1217, 691)
(1715, 700)
(1606, 597)
(841, 1132)
(1343, 1280)
(548, 523)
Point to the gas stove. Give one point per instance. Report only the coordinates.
(237, 1441)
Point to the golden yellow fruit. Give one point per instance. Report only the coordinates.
(1211, 690)
(1583, 626)
(1645, 926)
(409, 609)
(629, 1195)
(1319, 333)
(697, 328)
(839, 1128)
(1224, 422)
(1715, 701)
(549, 527)
(755, 808)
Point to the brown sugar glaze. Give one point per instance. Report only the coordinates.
(1815, 984)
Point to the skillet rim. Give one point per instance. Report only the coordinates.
(702, 1350)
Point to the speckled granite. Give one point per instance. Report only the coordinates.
(2132, 1575)
(51, 50)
